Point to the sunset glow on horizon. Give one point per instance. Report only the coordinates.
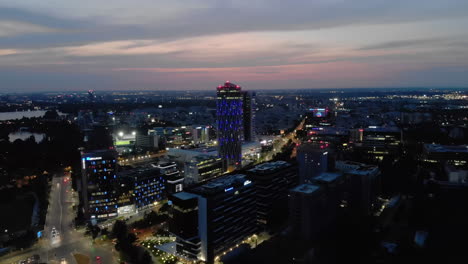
(161, 45)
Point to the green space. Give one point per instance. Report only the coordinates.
(163, 257)
(22, 209)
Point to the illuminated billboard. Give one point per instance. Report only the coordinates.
(123, 142)
(319, 112)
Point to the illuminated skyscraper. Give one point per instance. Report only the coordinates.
(229, 112)
(99, 184)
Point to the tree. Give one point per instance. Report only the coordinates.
(164, 208)
(119, 230)
(51, 114)
(146, 258)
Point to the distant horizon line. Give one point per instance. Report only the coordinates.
(262, 90)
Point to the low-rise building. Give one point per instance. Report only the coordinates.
(174, 181)
(454, 155)
(148, 186)
(201, 168)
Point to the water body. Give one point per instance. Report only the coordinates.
(20, 114)
(23, 135)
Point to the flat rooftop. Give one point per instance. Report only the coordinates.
(306, 188)
(185, 195)
(163, 165)
(312, 147)
(202, 157)
(328, 177)
(269, 167)
(383, 129)
(140, 172)
(364, 170)
(358, 168)
(102, 152)
(221, 184)
(446, 148)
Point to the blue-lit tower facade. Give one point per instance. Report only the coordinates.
(229, 112)
(99, 183)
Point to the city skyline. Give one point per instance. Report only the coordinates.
(56, 46)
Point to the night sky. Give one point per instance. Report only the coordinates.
(57, 45)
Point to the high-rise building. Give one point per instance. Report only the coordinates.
(229, 112)
(314, 206)
(312, 159)
(201, 134)
(307, 203)
(272, 181)
(248, 115)
(99, 183)
(363, 184)
(184, 224)
(211, 219)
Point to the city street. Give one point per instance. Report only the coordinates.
(279, 143)
(60, 247)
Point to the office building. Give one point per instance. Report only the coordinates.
(456, 155)
(148, 141)
(125, 200)
(201, 168)
(99, 184)
(201, 134)
(363, 185)
(250, 152)
(171, 174)
(229, 113)
(334, 185)
(272, 182)
(307, 203)
(248, 107)
(225, 217)
(413, 118)
(149, 186)
(314, 206)
(380, 141)
(184, 223)
(312, 159)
